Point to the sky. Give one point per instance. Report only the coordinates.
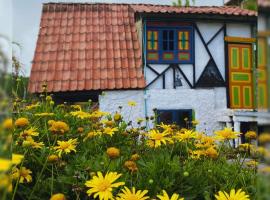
(25, 21)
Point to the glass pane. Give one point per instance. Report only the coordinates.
(165, 35)
(171, 36)
(171, 45)
(165, 45)
(184, 118)
(166, 117)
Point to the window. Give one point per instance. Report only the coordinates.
(170, 44)
(182, 117)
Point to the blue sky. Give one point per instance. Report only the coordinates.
(26, 19)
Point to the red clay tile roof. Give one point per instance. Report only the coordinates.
(214, 10)
(96, 46)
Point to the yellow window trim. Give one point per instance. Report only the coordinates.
(240, 39)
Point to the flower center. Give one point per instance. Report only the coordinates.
(65, 146)
(23, 173)
(104, 185)
(158, 137)
(132, 197)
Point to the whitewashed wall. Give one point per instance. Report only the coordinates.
(208, 106)
(261, 23)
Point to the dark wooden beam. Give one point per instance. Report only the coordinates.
(183, 74)
(158, 76)
(216, 34)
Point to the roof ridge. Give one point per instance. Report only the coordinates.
(146, 4)
(141, 4)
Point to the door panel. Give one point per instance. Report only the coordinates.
(240, 76)
(262, 74)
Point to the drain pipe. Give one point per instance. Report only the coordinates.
(144, 72)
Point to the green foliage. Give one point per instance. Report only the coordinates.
(250, 5)
(180, 3)
(168, 167)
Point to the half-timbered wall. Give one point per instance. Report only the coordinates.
(209, 45)
(208, 103)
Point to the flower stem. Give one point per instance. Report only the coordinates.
(52, 182)
(18, 180)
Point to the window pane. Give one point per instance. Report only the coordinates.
(184, 118)
(165, 35)
(171, 36)
(171, 45)
(166, 117)
(165, 45)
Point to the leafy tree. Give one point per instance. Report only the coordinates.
(180, 3)
(250, 4)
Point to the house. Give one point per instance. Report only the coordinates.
(263, 85)
(184, 62)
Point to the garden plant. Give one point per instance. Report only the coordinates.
(78, 152)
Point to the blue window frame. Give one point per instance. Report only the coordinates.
(170, 44)
(182, 117)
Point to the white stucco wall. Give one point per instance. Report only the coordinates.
(209, 105)
(239, 30)
(261, 23)
(111, 100)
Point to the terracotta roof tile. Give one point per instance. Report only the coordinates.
(96, 46)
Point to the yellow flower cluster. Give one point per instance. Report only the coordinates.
(66, 146)
(21, 122)
(58, 127)
(113, 152)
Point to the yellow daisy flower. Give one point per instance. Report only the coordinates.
(102, 186)
(264, 138)
(80, 114)
(158, 138)
(66, 146)
(131, 165)
(251, 135)
(113, 152)
(29, 132)
(165, 196)
(58, 196)
(5, 164)
(7, 124)
(226, 134)
(22, 174)
(17, 158)
(110, 131)
(211, 152)
(239, 195)
(128, 194)
(166, 128)
(32, 106)
(186, 135)
(30, 142)
(59, 127)
(132, 103)
(22, 122)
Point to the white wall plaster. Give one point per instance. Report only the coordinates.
(239, 30)
(111, 101)
(261, 23)
(207, 105)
